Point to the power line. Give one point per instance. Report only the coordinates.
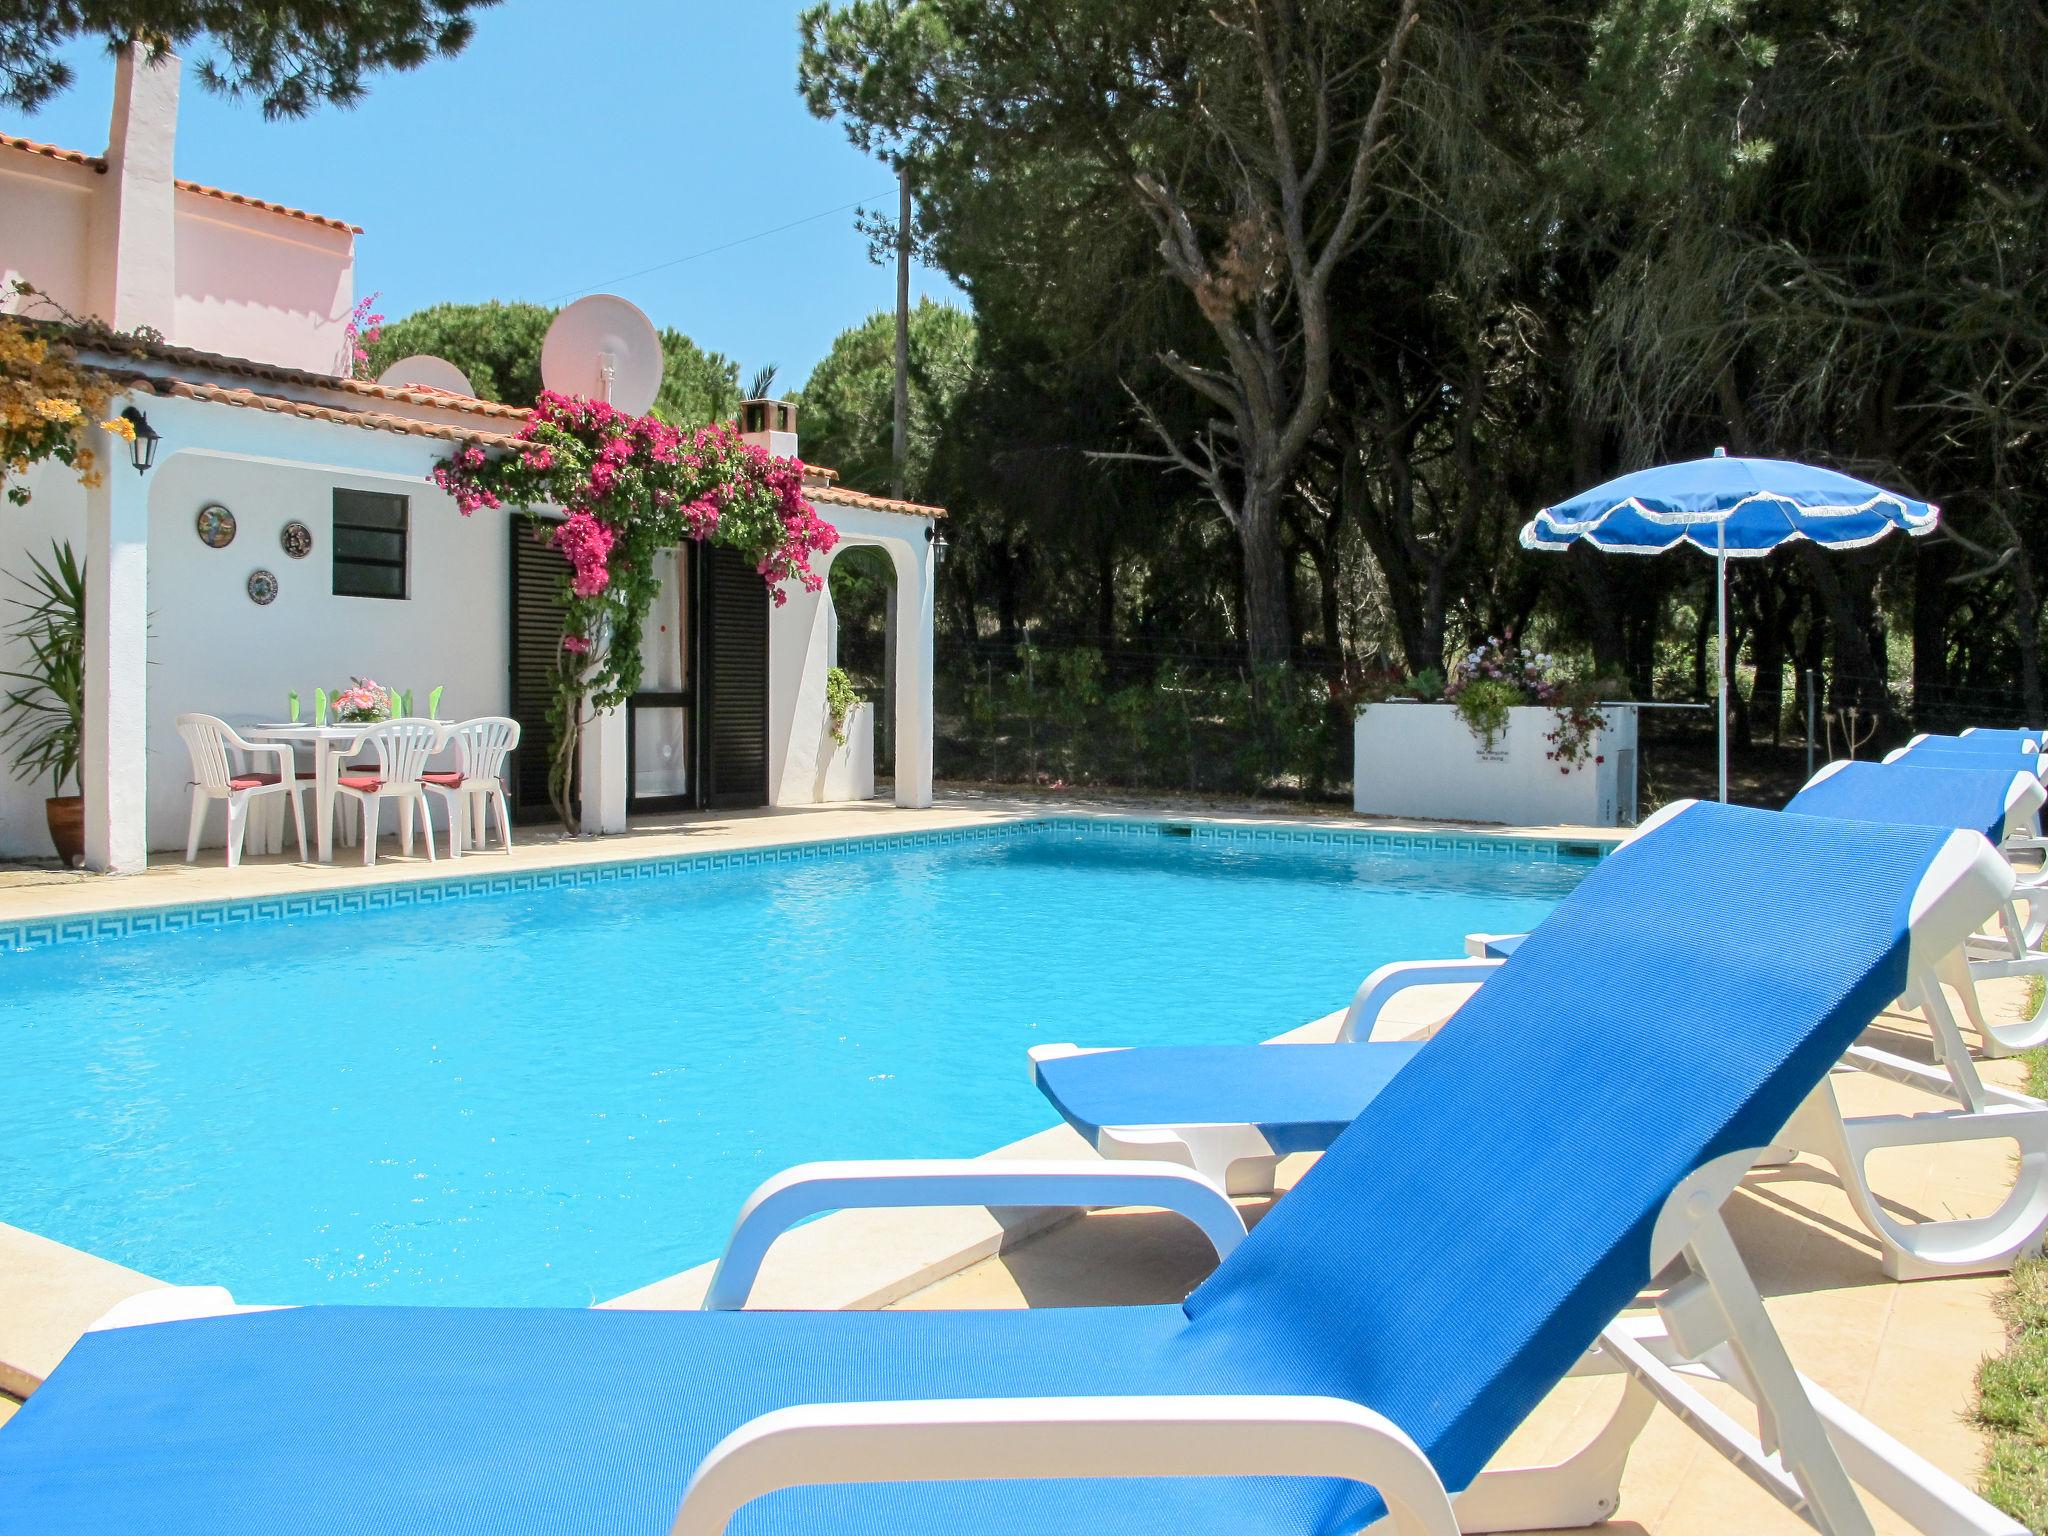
(663, 266)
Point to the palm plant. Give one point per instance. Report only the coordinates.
(42, 719)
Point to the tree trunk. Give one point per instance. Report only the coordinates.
(1932, 562)
(1700, 631)
(1003, 566)
(1859, 680)
(1596, 597)
(1105, 599)
(1767, 693)
(2027, 621)
(1415, 602)
(1269, 635)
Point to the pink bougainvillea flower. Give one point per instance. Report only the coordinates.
(576, 645)
(587, 544)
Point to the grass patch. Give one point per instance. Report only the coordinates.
(2012, 1390)
(2012, 1400)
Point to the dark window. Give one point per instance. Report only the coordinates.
(369, 544)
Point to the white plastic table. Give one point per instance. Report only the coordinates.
(331, 743)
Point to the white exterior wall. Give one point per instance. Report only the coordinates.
(211, 649)
(56, 510)
(1422, 760)
(800, 646)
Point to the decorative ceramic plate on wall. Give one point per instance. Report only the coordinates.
(262, 588)
(216, 525)
(297, 539)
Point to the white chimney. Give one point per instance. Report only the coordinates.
(769, 424)
(137, 243)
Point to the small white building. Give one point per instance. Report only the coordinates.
(344, 558)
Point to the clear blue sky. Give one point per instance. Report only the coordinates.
(567, 147)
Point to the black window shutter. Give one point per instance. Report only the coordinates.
(537, 611)
(736, 677)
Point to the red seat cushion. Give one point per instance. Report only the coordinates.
(368, 783)
(445, 780)
(251, 780)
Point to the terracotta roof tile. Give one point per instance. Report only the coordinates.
(249, 399)
(52, 152)
(876, 503)
(275, 373)
(269, 207)
(98, 163)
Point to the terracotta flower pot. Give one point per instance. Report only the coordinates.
(66, 816)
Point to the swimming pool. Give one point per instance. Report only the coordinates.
(558, 1094)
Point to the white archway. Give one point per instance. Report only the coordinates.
(799, 653)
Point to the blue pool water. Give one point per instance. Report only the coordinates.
(562, 1095)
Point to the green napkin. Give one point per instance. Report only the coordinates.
(319, 706)
(295, 706)
(434, 702)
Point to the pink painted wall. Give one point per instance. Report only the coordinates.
(245, 282)
(124, 243)
(261, 285)
(46, 214)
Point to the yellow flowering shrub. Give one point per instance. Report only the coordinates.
(47, 399)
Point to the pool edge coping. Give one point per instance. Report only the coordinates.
(24, 935)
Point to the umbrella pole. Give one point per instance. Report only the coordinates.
(1721, 646)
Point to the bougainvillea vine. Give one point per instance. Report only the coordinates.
(630, 487)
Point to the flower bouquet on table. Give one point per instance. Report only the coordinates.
(363, 702)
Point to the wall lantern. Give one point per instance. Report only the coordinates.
(937, 540)
(141, 451)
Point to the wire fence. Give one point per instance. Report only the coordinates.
(1058, 712)
(1061, 715)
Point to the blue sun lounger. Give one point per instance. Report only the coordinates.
(1961, 789)
(2023, 737)
(1232, 1112)
(1469, 1241)
(1958, 752)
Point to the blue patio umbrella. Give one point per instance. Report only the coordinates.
(1731, 508)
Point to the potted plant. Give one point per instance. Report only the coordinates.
(42, 718)
(842, 698)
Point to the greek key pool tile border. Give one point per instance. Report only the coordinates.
(93, 927)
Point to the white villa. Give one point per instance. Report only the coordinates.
(257, 416)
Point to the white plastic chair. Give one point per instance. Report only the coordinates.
(216, 775)
(402, 748)
(477, 781)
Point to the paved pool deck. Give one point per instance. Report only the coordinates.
(1904, 1354)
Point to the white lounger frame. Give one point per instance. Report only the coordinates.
(2013, 946)
(1240, 1159)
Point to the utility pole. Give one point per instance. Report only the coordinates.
(902, 443)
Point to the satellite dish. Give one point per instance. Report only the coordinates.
(603, 348)
(421, 371)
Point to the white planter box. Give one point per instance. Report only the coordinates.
(848, 772)
(1421, 760)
